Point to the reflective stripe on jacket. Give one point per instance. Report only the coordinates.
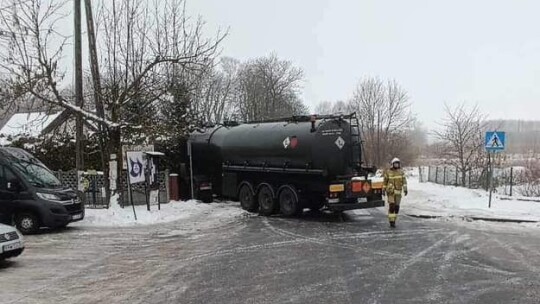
(394, 181)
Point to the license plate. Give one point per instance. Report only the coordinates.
(11, 247)
(362, 200)
(76, 216)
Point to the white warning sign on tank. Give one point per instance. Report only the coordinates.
(340, 142)
(286, 143)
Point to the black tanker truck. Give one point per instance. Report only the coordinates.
(282, 165)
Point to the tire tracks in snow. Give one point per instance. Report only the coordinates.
(368, 235)
(520, 257)
(380, 291)
(435, 293)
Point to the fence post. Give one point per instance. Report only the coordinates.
(470, 172)
(173, 187)
(437, 175)
(486, 179)
(511, 180)
(444, 176)
(166, 181)
(94, 189)
(429, 174)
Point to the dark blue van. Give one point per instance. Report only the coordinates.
(31, 196)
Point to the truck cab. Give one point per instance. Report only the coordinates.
(31, 196)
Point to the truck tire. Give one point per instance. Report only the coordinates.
(27, 223)
(266, 200)
(247, 198)
(289, 204)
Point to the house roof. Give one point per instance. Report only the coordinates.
(64, 118)
(26, 124)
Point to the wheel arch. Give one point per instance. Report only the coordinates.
(245, 183)
(290, 187)
(265, 184)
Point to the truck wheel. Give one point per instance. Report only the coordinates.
(247, 199)
(27, 223)
(289, 203)
(267, 203)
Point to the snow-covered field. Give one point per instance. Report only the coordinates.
(173, 211)
(437, 200)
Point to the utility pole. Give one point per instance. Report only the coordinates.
(78, 92)
(94, 65)
(100, 110)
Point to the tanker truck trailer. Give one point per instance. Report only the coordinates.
(283, 165)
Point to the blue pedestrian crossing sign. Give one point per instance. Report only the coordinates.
(495, 141)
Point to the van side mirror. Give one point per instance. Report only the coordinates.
(14, 186)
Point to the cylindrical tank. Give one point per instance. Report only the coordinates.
(328, 145)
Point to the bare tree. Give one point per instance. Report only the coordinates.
(324, 108)
(139, 44)
(328, 107)
(385, 115)
(462, 134)
(340, 107)
(418, 138)
(33, 50)
(214, 96)
(268, 88)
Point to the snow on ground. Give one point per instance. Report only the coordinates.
(425, 199)
(430, 199)
(173, 211)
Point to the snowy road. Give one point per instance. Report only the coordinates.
(321, 258)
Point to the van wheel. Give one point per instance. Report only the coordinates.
(267, 203)
(289, 204)
(247, 198)
(27, 223)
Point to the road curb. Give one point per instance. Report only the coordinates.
(473, 218)
(521, 199)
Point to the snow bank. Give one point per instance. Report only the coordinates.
(116, 216)
(437, 200)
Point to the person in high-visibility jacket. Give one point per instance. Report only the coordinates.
(394, 187)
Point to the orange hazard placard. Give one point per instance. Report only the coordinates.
(357, 187)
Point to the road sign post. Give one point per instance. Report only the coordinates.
(494, 142)
(490, 178)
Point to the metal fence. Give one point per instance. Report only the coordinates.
(95, 190)
(505, 180)
(94, 196)
(138, 191)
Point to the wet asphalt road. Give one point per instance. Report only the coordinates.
(320, 258)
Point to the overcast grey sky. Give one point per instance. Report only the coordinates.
(483, 51)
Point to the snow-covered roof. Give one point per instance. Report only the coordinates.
(26, 124)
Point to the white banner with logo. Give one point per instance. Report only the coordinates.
(130, 148)
(135, 166)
